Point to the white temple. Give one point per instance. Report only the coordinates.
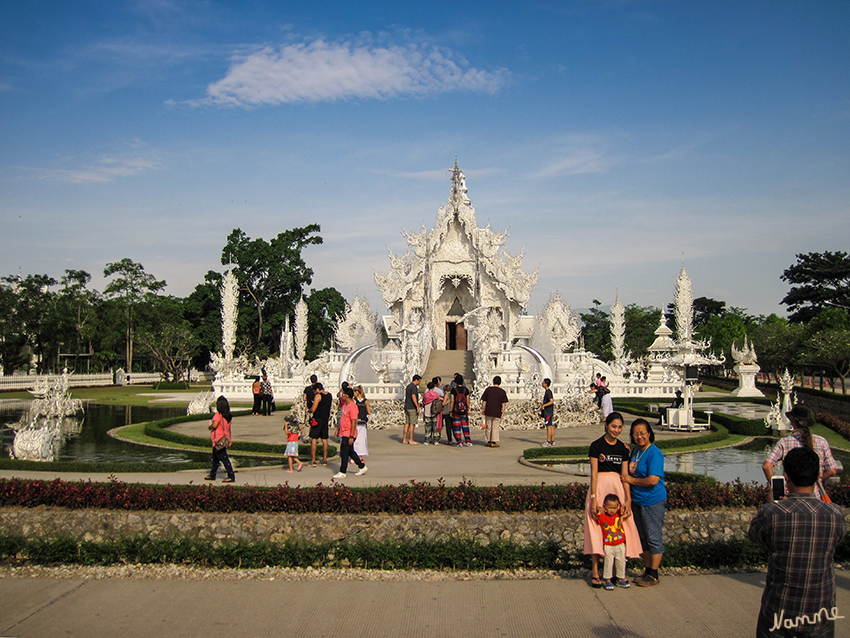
(457, 300)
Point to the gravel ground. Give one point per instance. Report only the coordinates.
(184, 572)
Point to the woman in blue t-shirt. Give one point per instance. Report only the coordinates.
(649, 498)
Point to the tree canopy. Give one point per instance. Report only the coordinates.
(818, 281)
(271, 276)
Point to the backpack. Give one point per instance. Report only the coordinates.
(461, 405)
(436, 406)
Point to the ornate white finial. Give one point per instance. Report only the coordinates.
(618, 330)
(229, 313)
(684, 307)
(301, 329)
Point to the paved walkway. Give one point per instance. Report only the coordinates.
(389, 461)
(681, 606)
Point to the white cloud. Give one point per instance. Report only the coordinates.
(322, 71)
(104, 170)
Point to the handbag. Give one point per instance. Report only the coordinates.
(222, 444)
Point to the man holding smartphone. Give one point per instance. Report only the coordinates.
(801, 532)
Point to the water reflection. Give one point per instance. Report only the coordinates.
(727, 464)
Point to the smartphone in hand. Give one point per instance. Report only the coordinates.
(777, 484)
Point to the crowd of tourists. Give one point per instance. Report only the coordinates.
(626, 502)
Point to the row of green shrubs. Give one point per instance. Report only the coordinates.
(101, 467)
(452, 553)
(408, 498)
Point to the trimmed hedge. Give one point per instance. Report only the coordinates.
(171, 385)
(409, 498)
(454, 553)
(104, 467)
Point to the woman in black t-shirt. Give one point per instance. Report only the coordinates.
(609, 460)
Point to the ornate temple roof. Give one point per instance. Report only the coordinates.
(456, 239)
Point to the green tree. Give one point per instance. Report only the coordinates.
(202, 309)
(824, 347)
(13, 355)
(166, 337)
(705, 308)
(132, 285)
(272, 276)
(37, 319)
(324, 308)
(818, 281)
(777, 343)
(77, 309)
(641, 324)
(596, 329)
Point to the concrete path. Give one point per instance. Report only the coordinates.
(389, 461)
(681, 606)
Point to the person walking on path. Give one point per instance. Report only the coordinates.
(493, 410)
(608, 456)
(319, 424)
(411, 409)
(649, 498)
(221, 439)
(255, 390)
(361, 443)
(547, 411)
(801, 436)
(292, 434)
(801, 533)
(460, 413)
(347, 432)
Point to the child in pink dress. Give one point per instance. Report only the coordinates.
(292, 434)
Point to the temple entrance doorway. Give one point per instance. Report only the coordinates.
(455, 336)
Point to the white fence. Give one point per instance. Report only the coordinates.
(27, 381)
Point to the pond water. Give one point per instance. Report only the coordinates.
(92, 443)
(727, 464)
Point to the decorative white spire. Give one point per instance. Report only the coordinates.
(229, 313)
(618, 330)
(684, 307)
(301, 329)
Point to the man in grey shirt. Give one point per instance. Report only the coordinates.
(411, 409)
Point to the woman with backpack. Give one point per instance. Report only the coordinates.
(432, 407)
(460, 413)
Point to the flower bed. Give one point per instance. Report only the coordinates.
(409, 498)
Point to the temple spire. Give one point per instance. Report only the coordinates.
(458, 193)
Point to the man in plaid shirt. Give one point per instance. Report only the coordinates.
(801, 533)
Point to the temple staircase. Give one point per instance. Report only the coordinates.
(444, 364)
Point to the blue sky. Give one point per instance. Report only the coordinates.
(610, 137)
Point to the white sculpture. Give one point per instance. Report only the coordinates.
(747, 368)
(301, 329)
(358, 326)
(618, 337)
(202, 403)
(684, 301)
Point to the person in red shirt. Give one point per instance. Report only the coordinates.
(614, 542)
(347, 433)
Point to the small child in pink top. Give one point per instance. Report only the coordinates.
(292, 434)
